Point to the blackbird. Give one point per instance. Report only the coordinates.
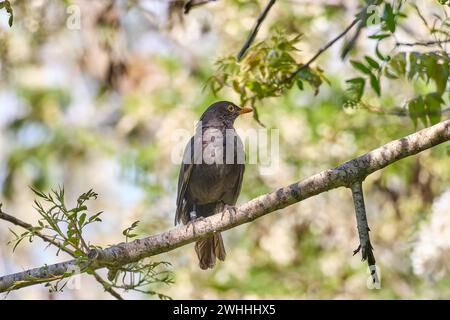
(211, 175)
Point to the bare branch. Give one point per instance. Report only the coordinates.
(325, 48)
(195, 3)
(363, 229)
(254, 32)
(345, 175)
(422, 43)
(400, 112)
(336, 39)
(107, 286)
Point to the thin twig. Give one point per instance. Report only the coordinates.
(363, 229)
(425, 22)
(195, 3)
(350, 44)
(83, 243)
(6, 217)
(401, 112)
(332, 42)
(422, 43)
(325, 48)
(251, 37)
(107, 286)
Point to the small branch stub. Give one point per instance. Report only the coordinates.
(363, 230)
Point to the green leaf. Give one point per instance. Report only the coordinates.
(375, 84)
(95, 217)
(380, 55)
(361, 67)
(82, 219)
(420, 110)
(135, 224)
(380, 36)
(11, 19)
(441, 77)
(255, 87)
(433, 101)
(389, 17)
(78, 209)
(128, 231)
(413, 65)
(398, 64)
(300, 84)
(6, 5)
(12, 231)
(312, 77)
(389, 75)
(356, 87)
(372, 62)
(235, 84)
(38, 192)
(414, 111)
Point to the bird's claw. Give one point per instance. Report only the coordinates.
(191, 223)
(232, 211)
(357, 250)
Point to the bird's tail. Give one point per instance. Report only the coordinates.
(209, 249)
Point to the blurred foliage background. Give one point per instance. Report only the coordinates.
(97, 106)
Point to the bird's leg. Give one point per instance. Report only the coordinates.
(193, 214)
(232, 210)
(192, 219)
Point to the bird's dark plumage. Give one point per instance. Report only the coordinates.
(211, 174)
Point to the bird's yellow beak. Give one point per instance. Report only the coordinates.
(245, 110)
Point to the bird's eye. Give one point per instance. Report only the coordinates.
(230, 108)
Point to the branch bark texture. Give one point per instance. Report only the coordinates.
(361, 221)
(345, 175)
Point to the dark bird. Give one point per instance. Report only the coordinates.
(211, 174)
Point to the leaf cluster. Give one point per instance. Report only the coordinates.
(64, 227)
(268, 70)
(430, 67)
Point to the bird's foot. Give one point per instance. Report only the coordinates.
(232, 211)
(193, 215)
(192, 221)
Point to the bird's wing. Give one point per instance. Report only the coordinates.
(232, 195)
(183, 181)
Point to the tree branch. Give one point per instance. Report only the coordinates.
(360, 19)
(107, 286)
(345, 175)
(401, 111)
(251, 37)
(195, 3)
(325, 48)
(422, 43)
(363, 229)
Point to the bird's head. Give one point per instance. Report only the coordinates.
(223, 111)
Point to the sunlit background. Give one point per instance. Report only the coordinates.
(95, 106)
